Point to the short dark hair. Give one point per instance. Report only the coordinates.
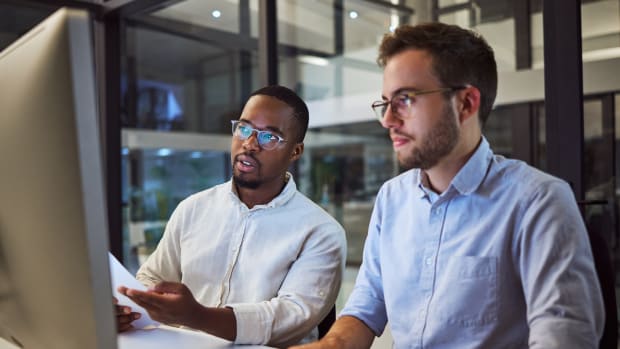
(288, 96)
(459, 57)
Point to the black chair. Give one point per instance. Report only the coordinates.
(327, 322)
(606, 277)
(598, 225)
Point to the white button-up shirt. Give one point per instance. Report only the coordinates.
(278, 266)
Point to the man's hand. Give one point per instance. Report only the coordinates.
(167, 302)
(124, 316)
(346, 333)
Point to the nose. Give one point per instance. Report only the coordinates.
(251, 143)
(390, 120)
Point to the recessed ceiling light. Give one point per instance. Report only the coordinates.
(353, 14)
(216, 14)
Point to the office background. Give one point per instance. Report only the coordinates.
(172, 74)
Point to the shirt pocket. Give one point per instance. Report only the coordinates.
(467, 291)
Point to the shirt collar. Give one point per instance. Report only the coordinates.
(469, 178)
(290, 188)
(421, 181)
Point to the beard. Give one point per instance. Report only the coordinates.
(247, 184)
(239, 177)
(436, 144)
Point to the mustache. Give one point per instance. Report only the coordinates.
(399, 133)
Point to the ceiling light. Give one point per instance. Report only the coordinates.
(353, 14)
(216, 14)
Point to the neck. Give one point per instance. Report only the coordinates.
(441, 175)
(261, 195)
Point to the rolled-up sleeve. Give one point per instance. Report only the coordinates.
(564, 300)
(306, 295)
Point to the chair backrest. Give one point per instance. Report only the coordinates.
(327, 322)
(599, 226)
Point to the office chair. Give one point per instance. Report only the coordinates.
(327, 322)
(597, 226)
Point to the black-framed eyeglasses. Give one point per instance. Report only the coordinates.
(401, 102)
(266, 139)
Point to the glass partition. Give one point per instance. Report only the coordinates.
(494, 20)
(187, 71)
(348, 154)
(159, 179)
(342, 169)
(176, 83)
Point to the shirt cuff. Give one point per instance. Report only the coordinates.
(253, 323)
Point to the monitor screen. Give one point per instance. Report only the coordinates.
(55, 289)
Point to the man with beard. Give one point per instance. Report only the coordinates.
(251, 260)
(467, 249)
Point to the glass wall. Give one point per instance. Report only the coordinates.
(494, 19)
(600, 42)
(187, 70)
(348, 155)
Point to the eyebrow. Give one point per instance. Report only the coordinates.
(270, 128)
(400, 90)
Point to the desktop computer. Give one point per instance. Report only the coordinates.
(55, 290)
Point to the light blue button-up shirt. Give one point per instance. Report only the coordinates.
(501, 259)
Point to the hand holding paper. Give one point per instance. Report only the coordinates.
(122, 277)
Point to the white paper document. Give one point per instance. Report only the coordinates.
(122, 277)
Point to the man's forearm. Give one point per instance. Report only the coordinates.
(346, 333)
(219, 322)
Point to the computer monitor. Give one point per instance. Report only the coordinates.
(55, 289)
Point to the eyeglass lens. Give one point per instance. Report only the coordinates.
(400, 105)
(266, 139)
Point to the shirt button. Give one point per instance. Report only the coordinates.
(429, 261)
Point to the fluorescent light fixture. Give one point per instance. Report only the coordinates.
(314, 60)
(216, 14)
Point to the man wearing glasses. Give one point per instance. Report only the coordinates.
(467, 249)
(251, 260)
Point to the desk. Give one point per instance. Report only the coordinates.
(166, 337)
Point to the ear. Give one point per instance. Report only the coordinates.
(468, 103)
(297, 151)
